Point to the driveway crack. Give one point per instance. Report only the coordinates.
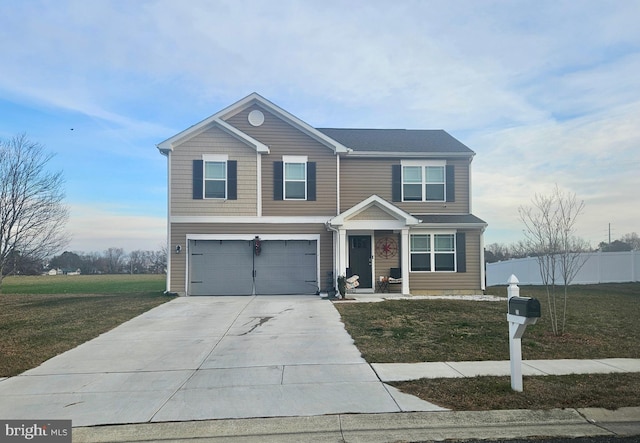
(261, 321)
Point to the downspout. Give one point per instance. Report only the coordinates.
(168, 282)
(336, 242)
(483, 265)
(337, 184)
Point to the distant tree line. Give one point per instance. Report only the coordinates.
(496, 252)
(110, 261)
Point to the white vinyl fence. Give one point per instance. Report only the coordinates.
(599, 267)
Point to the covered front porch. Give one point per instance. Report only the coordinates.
(371, 240)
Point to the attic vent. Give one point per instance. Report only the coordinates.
(256, 118)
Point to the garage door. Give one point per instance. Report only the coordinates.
(220, 267)
(230, 267)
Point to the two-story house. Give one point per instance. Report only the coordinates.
(260, 202)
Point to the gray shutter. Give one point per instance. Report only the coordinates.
(198, 185)
(232, 180)
(311, 181)
(396, 183)
(450, 183)
(277, 180)
(461, 252)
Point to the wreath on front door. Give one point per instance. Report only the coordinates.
(257, 245)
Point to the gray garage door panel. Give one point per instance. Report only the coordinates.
(230, 267)
(287, 267)
(221, 267)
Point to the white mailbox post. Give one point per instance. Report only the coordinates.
(518, 322)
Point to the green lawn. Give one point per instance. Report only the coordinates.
(45, 316)
(602, 323)
(83, 284)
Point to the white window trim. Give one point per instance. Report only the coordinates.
(423, 164)
(214, 158)
(432, 252)
(294, 159)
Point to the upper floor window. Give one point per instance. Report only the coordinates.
(433, 252)
(423, 182)
(295, 178)
(215, 179)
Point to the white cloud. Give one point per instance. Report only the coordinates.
(544, 91)
(96, 228)
(595, 157)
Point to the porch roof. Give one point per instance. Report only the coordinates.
(395, 213)
(453, 220)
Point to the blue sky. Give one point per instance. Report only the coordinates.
(544, 92)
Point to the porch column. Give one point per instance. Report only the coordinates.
(405, 261)
(342, 252)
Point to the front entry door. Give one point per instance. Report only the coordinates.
(360, 258)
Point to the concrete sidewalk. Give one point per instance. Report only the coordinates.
(413, 371)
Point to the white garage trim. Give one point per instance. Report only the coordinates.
(248, 219)
(263, 237)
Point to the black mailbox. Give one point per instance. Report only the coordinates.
(524, 307)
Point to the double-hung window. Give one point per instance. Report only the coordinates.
(215, 179)
(295, 177)
(434, 183)
(444, 252)
(412, 183)
(421, 252)
(423, 181)
(433, 252)
(215, 176)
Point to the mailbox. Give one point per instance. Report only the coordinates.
(524, 307)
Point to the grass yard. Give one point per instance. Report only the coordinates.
(610, 391)
(46, 315)
(602, 322)
(83, 284)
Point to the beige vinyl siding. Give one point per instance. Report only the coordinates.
(179, 233)
(283, 139)
(361, 178)
(213, 141)
(373, 213)
(452, 282)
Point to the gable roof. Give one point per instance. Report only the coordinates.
(220, 118)
(168, 145)
(384, 142)
(375, 201)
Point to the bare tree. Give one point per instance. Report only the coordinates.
(633, 240)
(137, 261)
(32, 212)
(114, 258)
(550, 225)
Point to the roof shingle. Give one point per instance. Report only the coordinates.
(397, 140)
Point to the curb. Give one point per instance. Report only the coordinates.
(408, 426)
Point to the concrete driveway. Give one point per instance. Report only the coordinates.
(201, 358)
